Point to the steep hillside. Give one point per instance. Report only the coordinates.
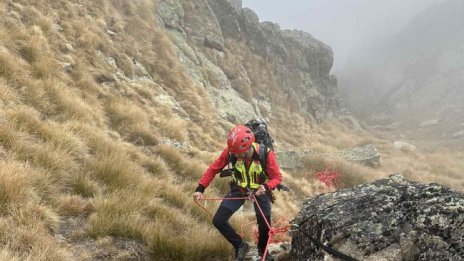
(415, 77)
(104, 104)
(110, 111)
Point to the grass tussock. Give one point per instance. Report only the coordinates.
(57, 162)
(59, 136)
(15, 185)
(8, 137)
(182, 166)
(174, 128)
(72, 205)
(85, 185)
(156, 166)
(8, 95)
(131, 121)
(118, 214)
(182, 238)
(12, 71)
(26, 233)
(115, 170)
(68, 102)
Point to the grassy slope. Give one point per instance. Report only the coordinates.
(83, 162)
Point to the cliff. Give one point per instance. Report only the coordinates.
(245, 65)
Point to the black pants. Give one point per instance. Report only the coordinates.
(229, 207)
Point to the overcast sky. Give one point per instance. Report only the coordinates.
(342, 24)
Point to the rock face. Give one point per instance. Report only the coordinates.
(245, 65)
(390, 219)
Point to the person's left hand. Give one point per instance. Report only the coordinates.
(260, 191)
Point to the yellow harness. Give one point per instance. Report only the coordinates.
(252, 177)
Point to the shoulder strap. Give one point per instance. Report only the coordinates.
(232, 160)
(263, 150)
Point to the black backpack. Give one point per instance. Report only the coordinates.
(259, 129)
(265, 141)
(262, 137)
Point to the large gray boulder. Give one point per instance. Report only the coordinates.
(293, 160)
(390, 219)
(365, 155)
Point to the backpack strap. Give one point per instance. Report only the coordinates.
(232, 160)
(262, 154)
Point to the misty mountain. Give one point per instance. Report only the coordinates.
(414, 77)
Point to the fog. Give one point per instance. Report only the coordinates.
(342, 24)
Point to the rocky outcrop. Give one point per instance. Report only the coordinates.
(404, 146)
(293, 160)
(212, 38)
(390, 219)
(365, 155)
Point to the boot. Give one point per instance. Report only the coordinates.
(241, 251)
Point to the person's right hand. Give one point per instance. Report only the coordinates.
(197, 196)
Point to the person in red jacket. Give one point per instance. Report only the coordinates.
(248, 175)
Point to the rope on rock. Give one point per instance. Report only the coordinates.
(322, 246)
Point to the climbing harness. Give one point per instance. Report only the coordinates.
(251, 196)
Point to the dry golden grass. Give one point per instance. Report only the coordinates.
(174, 128)
(7, 255)
(44, 68)
(12, 71)
(8, 136)
(84, 184)
(156, 166)
(182, 166)
(78, 148)
(7, 93)
(35, 95)
(68, 102)
(184, 240)
(15, 185)
(118, 214)
(57, 162)
(26, 231)
(131, 121)
(71, 205)
(115, 170)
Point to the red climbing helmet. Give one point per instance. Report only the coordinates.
(240, 139)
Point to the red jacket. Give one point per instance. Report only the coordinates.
(272, 170)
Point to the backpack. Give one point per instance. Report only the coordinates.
(259, 129)
(265, 141)
(262, 137)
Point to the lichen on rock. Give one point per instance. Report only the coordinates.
(390, 219)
